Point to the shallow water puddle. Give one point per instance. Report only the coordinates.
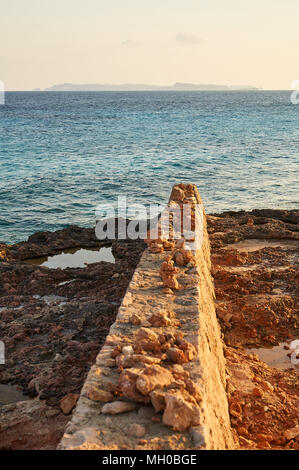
(257, 244)
(276, 356)
(75, 258)
(10, 394)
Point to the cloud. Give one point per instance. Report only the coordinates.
(130, 43)
(188, 38)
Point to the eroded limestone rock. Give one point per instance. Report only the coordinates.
(176, 355)
(118, 407)
(96, 394)
(68, 402)
(179, 413)
(153, 377)
(158, 400)
(127, 385)
(160, 319)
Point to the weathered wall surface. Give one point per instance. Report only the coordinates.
(159, 381)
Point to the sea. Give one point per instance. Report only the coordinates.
(62, 154)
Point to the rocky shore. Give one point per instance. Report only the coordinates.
(255, 269)
(54, 321)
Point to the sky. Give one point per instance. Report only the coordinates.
(158, 42)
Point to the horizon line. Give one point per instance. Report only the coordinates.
(132, 90)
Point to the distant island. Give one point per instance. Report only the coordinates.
(141, 87)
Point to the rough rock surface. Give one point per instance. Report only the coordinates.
(255, 267)
(30, 425)
(180, 413)
(51, 347)
(53, 322)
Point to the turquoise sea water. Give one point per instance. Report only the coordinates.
(63, 153)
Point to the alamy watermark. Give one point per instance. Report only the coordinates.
(2, 93)
(295, 353)
(2, 353)
(295, 93)
(136, 221)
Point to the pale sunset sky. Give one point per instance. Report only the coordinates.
(158, 42)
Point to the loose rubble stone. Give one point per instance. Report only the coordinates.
(68, 402)
(160, 319)
(127, 384)
(147, 334)
(118, 407)
(177, 194)
(145, 359)
(176, 355)
(179, 413)
(153, 377)
(127, 350)
(158, 400)
(99, 395)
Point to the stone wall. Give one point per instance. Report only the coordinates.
(159, 381)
